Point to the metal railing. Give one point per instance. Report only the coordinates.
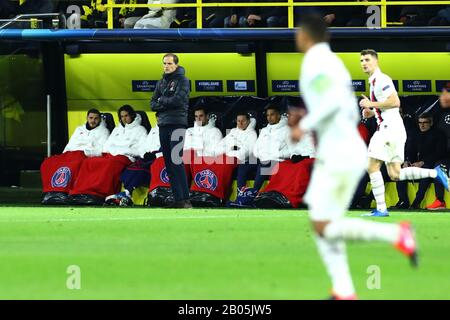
(28, 16)
(290, 4)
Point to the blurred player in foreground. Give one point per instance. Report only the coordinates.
(341, 159)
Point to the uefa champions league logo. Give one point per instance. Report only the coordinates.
(61, 177)
(447, 119)
(206, 179)
(164, 176)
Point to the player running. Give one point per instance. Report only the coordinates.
(388, 143)
(341, 159)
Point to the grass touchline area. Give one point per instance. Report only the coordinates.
(131, 253)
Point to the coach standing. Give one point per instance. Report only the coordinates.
(170, 101)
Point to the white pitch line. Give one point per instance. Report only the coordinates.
(157, 218)
(199, 216)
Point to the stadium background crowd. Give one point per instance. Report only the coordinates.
(93, 14)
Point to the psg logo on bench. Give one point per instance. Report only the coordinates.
(206, 179)
(61, 177)
(164, 176)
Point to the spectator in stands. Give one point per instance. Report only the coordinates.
(184, 16)
(336, 16)
(99, 177)
(59, 172)
(442, 18)
(138, 173)
(127, 17)
(35, 6)
(8, 9)
(213, 17)
(203, 137)
(426, 152)
(264, 17)
(354, 16)
(270, 148)
(160, 18)
(290, 179)
(413, 16)
(235, 15)
(94, 14)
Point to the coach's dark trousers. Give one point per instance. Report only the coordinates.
(171, 138)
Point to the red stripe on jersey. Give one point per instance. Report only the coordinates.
(377, 111)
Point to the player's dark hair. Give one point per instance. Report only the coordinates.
(94, 111)
(201, 108)
(243, 113)
(128, 109)
(174, 56)
(272, 107)
(371, 52)
(315, 26)
(425, 115)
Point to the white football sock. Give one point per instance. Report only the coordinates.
(358, 229)
(413, 173)
(334, 257)
(377, 182)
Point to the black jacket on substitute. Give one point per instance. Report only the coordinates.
(170, 100)
(429, 146)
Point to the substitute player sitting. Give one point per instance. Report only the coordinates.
(388, 142)
(138, 173)
(203, 137)
(212, 176)
(99, 176)
(58, 172)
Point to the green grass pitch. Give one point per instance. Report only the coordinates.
(202, 254)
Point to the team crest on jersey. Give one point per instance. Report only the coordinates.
(61, 177)
(206, 179)
(164, 176)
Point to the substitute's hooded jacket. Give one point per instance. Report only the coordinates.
(272, 142)
(203, 139)
(90, 141)
(170, 100)
(151, 143)
(239, 143)
(125, 139)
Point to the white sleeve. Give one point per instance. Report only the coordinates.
(109, 141)
(97, 144)
(210, 144)
(133, 150)
(323, 93)
(246, 149)
(257, 147)
(387, 86)
(144, 144)
(188, 140)
(72, 141)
